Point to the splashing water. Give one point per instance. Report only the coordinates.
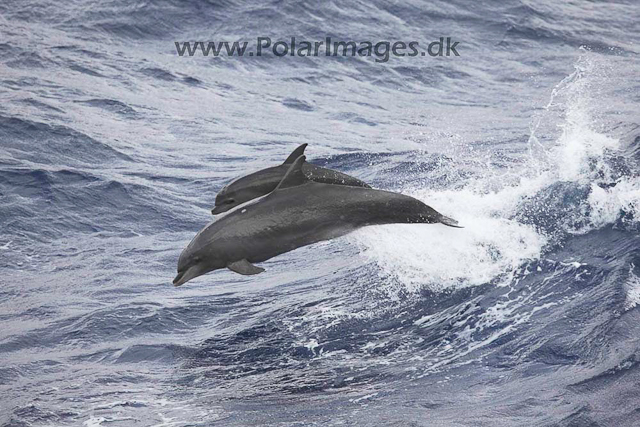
(499, 236)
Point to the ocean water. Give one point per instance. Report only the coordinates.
(113, 147)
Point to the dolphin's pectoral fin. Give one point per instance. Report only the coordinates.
(244, 267)
(295, 154)
(294, 175)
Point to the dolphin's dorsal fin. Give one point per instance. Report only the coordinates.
(294, 175)
(296, 153)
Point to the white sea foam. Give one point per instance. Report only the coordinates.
(494, 243)
(94, 421)
(632, 286)
(607, 203)
(442, 256)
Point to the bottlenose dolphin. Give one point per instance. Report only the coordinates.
(265, 181)
(297, 213)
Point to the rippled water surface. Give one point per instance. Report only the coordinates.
(113, 148)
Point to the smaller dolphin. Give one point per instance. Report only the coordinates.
(297, 213)
(266, 180)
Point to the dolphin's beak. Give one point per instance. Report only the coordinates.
(185, 275)
(220, 209)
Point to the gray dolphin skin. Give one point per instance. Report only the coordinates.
(265, 181)
(297, 213)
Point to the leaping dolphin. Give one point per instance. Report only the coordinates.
(297, 213)
(265, 181)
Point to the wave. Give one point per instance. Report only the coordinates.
(109, 165)
(42, 143)
(582, 182)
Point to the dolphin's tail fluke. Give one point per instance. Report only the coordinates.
(449, 221)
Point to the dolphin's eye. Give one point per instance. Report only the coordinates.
(230, 201)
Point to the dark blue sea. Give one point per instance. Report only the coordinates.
(113, 148)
